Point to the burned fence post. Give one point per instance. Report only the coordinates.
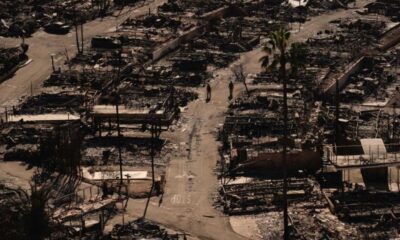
(155, 133)
(82, 36)
(77, 38)
(52, 62)
(116, 99)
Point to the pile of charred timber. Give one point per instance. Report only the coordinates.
(260, 196)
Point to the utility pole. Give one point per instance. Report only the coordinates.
(337, 113)
(78, 20)
(285, 142)
(398, 63)
(119, 63)
(116, 99)
(394, 120)
(82, 36)
(154, 137)
(155, 133)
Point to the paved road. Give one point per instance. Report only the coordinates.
(42, 45)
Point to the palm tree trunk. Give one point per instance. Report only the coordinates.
(285, 142)
(82, 36)
(119, 147)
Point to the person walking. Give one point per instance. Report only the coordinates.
(231, 86)
(208, 88)
(104, 188)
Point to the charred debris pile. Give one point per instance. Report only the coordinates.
(63, 209)
(385, 7)
(343, 138)
(71, 212)
(143, 229)
(11, 59)
(24, 17)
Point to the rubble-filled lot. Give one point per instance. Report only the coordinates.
(23, 18)
(367, 96)
(377, 76)
(141, 229)
(385, 7)
(91, 87)
(190, 7)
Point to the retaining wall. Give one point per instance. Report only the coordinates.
(342, 79)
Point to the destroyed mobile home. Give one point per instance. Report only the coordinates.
(203, 120)
(23, 18)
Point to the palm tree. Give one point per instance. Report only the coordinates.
(26, 213)
(37, 218)
(277, 47)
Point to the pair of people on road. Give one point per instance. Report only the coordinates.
(208, 91)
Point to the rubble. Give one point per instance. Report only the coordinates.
(372, 214)
(23, 18)
(103, 152)
(52, 103)
(261, 196)
(385, 7)
(143, 229)
(350, 52)
(194, 7)
(11, 59)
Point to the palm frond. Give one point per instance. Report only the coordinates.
(264, 61)
(272, 43)
(287, 35)
(275, 49)
(267, 48)
(274, 64)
